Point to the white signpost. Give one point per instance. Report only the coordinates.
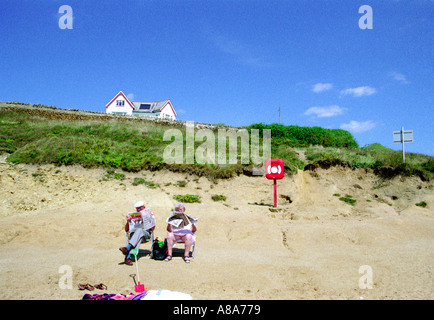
(402, 137)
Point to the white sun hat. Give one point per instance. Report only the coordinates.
(139, 204)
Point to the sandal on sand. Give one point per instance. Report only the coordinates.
(187, 259)
(101, 286)
(168, 258)
(86, 286)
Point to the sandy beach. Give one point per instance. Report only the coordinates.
(312, 246)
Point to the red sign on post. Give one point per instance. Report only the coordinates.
(274, 171)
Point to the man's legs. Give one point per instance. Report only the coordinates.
(134, 243)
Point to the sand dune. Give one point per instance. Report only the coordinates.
(310, 247)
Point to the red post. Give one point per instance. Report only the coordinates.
(275, 193)
(274, 170)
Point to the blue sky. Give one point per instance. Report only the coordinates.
(232, 61)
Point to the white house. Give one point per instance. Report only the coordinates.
(120, 104)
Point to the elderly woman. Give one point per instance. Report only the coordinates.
(184, 233)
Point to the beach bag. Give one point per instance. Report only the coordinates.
(159, 249)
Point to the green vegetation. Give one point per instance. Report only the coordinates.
(383, 161)
(181, 183)
(138, 181)
(39, 176)
(286, 138)
(89, 143)
(115, 175)
(296, 136)
(132, 145)
(187, 198)
(149, 184)
(218, 197)
(422, 204)
(348, 199)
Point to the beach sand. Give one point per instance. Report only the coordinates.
(56, 220)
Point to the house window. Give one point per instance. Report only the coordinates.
(120, 103)
(145, 106)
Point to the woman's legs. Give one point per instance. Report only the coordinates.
(170, 242)
(171, 239)
(188, 241)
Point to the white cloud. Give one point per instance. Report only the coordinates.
(325, 112)
(398, 77)
(130, 96)
(359, 91)
(320, 87)
(357, 127)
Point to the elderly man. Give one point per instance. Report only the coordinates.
(137, 233)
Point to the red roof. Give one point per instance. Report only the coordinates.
(170, 104)
(116, 96)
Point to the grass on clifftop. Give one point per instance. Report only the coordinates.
(133, 146)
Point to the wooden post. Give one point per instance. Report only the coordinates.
(403, 148)
(279, 115)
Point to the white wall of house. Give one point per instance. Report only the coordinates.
(119, 106)
(167, 112)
